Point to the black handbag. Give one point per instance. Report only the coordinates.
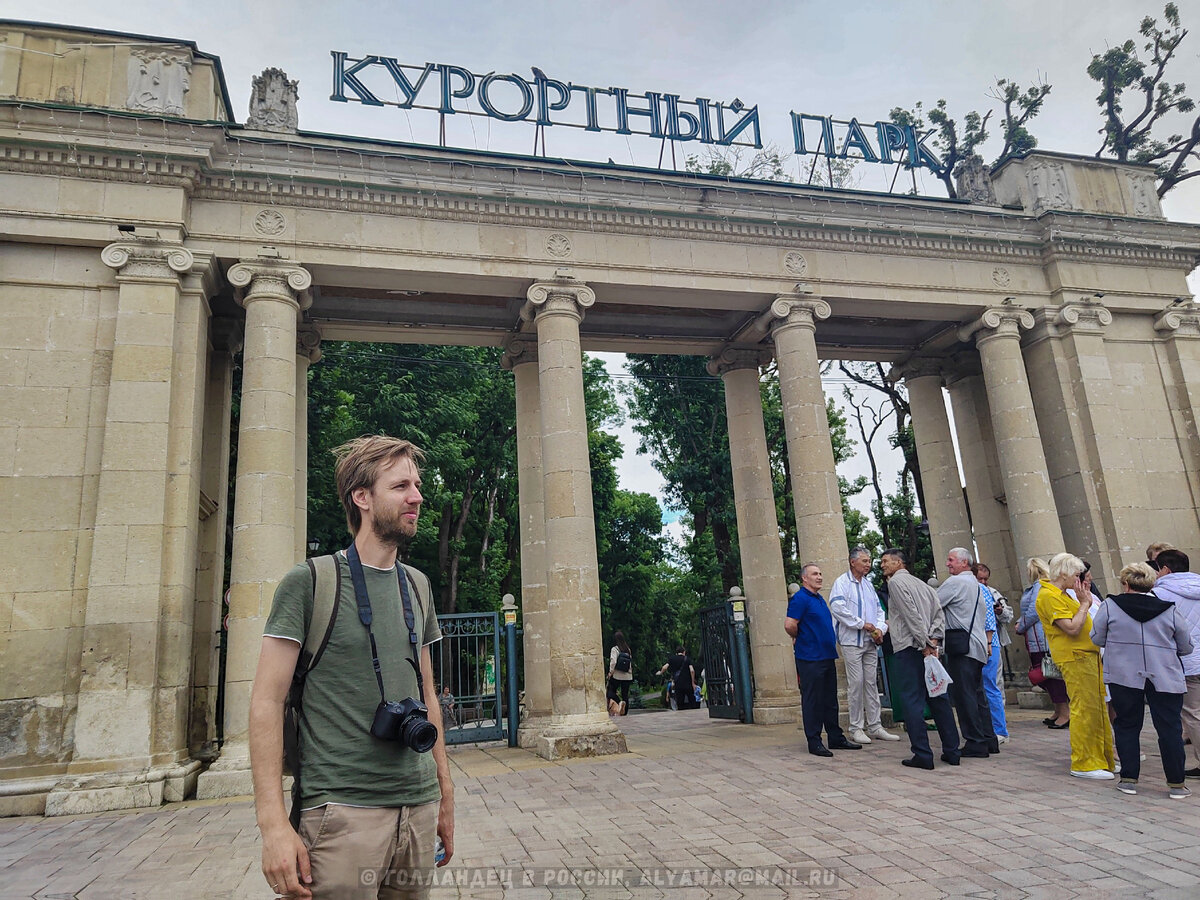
(958, 640)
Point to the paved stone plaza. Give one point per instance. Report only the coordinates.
(696, 795)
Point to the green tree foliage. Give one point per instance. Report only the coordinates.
(1027, 103)
(952, 146)
(1136, 96)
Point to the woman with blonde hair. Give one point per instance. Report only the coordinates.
(1144, 639)
(1035, 641)
(1067, 623)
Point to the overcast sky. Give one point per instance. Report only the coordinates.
(855, 59)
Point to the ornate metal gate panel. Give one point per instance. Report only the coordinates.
(717, 645)
(468, 661)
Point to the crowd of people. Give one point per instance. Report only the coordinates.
(1101, 660)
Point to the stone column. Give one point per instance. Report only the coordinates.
(981, 472)
(945, 507)
(115, 726)
(522, 358)
(1031, 509)
(776, 698)
(579, 724)
(226, 342)
(1179, 329)
(264, 544)
(820, 525)
(308, 351)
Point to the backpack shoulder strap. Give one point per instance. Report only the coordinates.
(327, 589)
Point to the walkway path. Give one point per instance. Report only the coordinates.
(695, 798)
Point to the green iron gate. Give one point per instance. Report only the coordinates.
(468, 661)
(719, 649)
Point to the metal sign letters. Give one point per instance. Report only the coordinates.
(447, 89)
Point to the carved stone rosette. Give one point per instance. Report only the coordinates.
(563, 296)
(147, 260)
(730, 359)
(271, 281)
(999, 321)
(798, 311)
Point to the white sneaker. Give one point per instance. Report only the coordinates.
(1002, 738)
(1179, 793)
(860, 737)
(881, 735)
(1094, 774)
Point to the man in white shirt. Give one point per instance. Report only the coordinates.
(861, 625)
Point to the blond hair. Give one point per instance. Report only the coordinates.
(358, 465)
(1154, 549)
(1036, 567)
(1138, 577)
(1065, 565)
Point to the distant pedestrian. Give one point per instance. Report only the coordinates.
(1144, 638)
(1176, 584)
(967, 644)
(993, 670)
(683, 679)
(1067, 623)
(620, 675)
(918, 627)
(810, 626)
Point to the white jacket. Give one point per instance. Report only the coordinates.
(852, 604)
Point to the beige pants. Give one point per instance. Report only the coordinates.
(862, 689)
(358, 853)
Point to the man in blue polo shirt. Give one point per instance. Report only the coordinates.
(810, 626)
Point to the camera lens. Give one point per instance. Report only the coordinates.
(418, 733)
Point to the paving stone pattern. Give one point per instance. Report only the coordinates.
(696, 796)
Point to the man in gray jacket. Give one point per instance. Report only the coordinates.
(917, 628)
(1177, 585)
(965, 607)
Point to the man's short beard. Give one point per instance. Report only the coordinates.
(395, 531)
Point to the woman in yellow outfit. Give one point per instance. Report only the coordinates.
(1068, 625)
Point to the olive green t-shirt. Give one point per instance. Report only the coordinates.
(340, 761)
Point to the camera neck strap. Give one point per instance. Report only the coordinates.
(365, 616)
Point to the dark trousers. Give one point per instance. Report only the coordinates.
(818, 698)
(966, 693)
(618, 690)
(1165, 712)
(909, 666)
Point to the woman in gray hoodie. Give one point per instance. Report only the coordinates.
(1144, 638)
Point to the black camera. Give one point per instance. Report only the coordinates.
(406, 721)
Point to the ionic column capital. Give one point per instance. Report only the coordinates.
(1179, 320)
(563, 296)
(730, 359)
(267, 280)
(148, 260)
(1087, 315)
(916, 367)
(308, 343)
(997, 322)
(797, 311)
(519, 350)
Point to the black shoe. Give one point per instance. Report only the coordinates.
(1066, 724)
(1192, 773)
(975, 754)
(949, 760)
(819, 750)
(844, 744)
(1049, 720)
(994, 747)
(913, 763)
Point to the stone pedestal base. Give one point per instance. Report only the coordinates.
(569, 741)
(25, 796)
(528, 733)
(1034, 700)
(102, 793)
(776, 711)
(227, 777)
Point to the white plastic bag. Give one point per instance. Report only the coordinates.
(937, 679)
